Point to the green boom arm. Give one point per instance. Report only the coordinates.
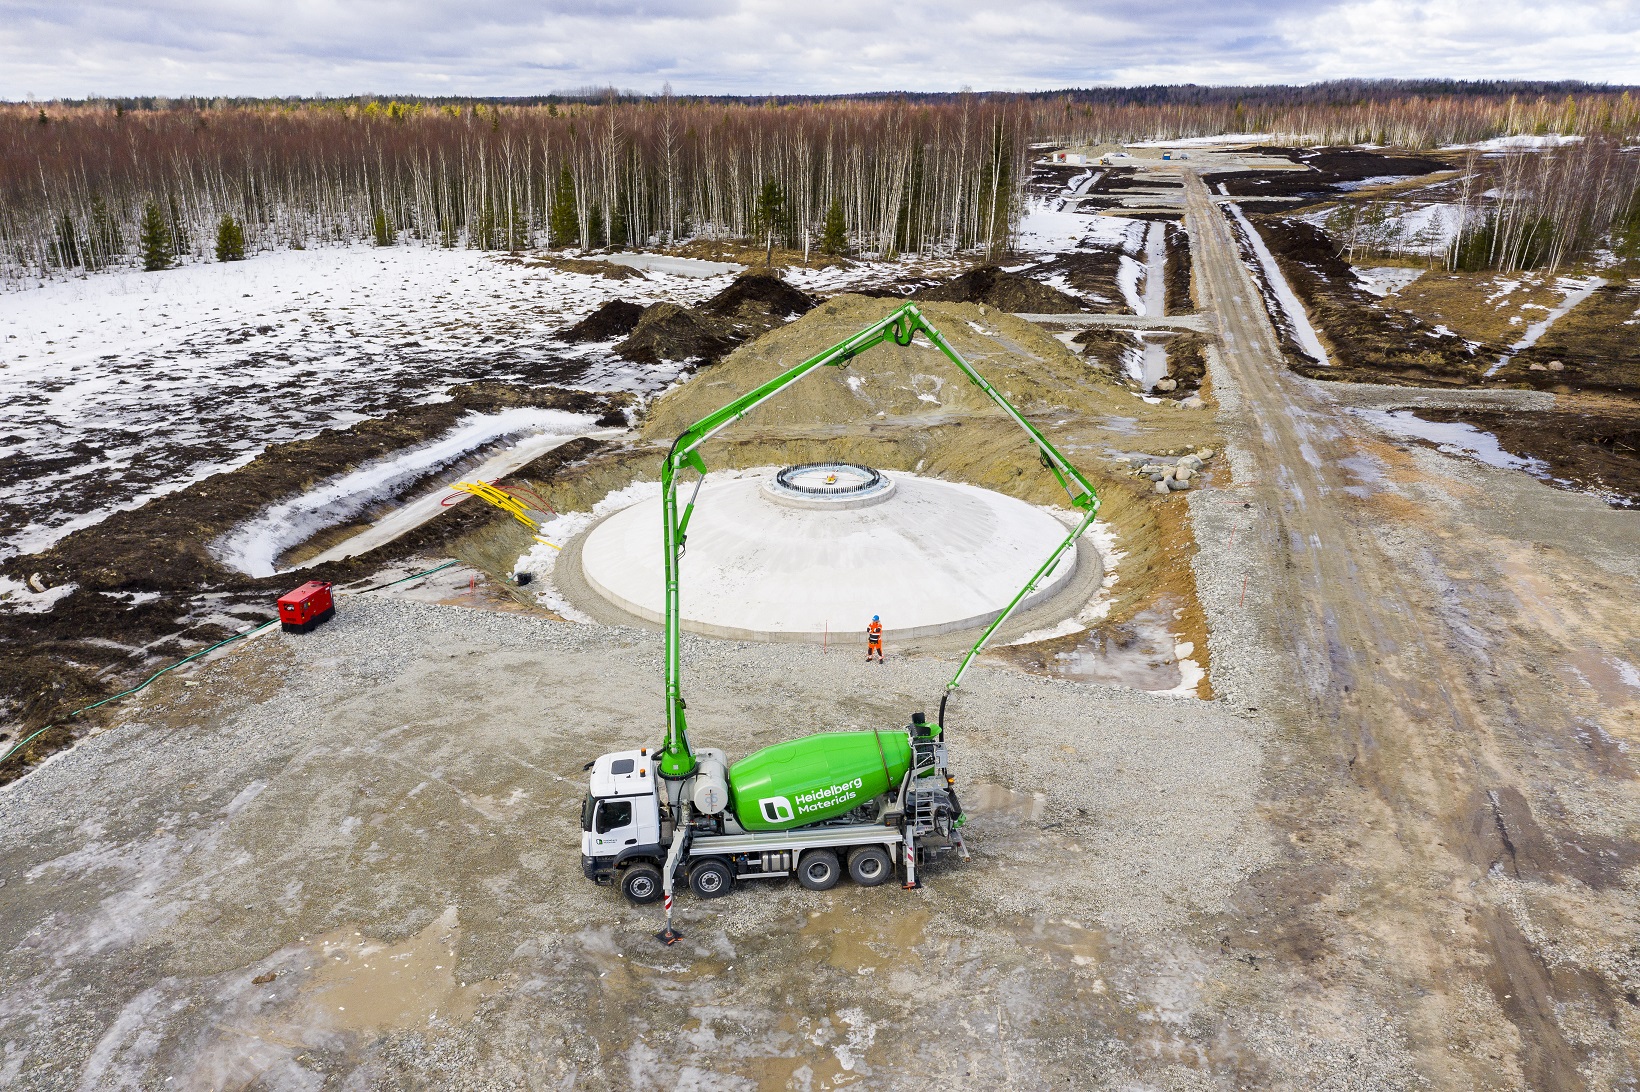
(900, 326)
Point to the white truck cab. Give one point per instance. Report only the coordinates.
(622, 811)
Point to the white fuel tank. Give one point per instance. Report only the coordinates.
(710, 790)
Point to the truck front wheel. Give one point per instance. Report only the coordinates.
(818, 870)
(641, 883)
(711, 878)
(869, 866)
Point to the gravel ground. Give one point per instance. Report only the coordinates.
(406, 780)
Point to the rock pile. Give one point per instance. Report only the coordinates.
(1172, 472)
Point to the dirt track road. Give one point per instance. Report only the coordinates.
(1461, 803)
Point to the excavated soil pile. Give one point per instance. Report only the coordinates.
(1105, 347)
(1177, 277)
(1186, 364)
(1368, 341)
(1005, 291)
(617, 318)
(758, 297)
(752, 305)
(669, 332)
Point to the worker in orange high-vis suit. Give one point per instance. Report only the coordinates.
(874, 639)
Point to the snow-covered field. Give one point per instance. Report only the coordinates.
(119, 387)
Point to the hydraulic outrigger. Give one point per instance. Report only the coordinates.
(724, 800)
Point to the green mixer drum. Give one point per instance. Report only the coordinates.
(818, 777)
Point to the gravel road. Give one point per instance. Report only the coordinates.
(399, 791)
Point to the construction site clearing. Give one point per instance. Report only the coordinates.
(1308, 763)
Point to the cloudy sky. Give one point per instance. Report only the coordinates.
(75, 48)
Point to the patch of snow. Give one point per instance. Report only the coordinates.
(17, 596)
(126, 386)
(1375, 180)
(1127, 279)
(1453, 438)
(1386, 280)
(666, 263)
(542, 558)
(255, 546)
(1206, 141)
(1288, 302)
(1510, 143)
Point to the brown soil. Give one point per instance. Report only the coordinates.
(95, 641)
(614, 319)
(1328, 165)
(1104, 346)
(1592, 449)
(1186, 363)
(669, 332)
(759, 297)
(1597, 344)
(1473, 305)
(1091, 274)
(752, 305)
(610, 271)
(1180, 300)
(1005, 291)
(1368, 342)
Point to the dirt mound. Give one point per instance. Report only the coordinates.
(759, 295)
(1003, 290)
(1594, 451)
(617, 318)
(669, 332)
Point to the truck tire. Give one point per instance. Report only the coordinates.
(641, 883)
(711, 878)
(818, 870)
(869, 866)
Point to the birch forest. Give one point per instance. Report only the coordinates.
(86, 186)
(908, 179)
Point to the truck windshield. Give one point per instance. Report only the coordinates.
(586, 811)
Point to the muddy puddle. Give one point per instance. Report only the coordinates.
(1141, 652)
(984, 798)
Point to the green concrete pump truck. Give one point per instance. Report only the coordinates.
(878, 803)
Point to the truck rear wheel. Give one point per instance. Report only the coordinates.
(818, 870)
(711, 878)
(641, 883)
(869, 866)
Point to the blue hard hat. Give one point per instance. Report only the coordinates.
(874, 618)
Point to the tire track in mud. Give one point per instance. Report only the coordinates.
(1394, 688)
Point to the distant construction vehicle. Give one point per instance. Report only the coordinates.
(875, 802)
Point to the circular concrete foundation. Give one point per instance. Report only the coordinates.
(928, 556)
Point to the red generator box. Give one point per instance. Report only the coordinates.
(306, 607)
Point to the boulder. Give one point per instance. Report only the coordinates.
(1190, 462)
(1192, 403)
(1162, 487)
(1183, 474)
(1205, 454)
(1178, 484)
(1167, 384)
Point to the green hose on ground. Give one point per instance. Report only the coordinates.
(203, 651)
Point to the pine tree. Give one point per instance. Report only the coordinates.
(562, 223)
(158, 247)
(834, 238)
(767, 214)
(230, 240)
(383, 230)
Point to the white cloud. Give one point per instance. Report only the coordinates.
(499, 47)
